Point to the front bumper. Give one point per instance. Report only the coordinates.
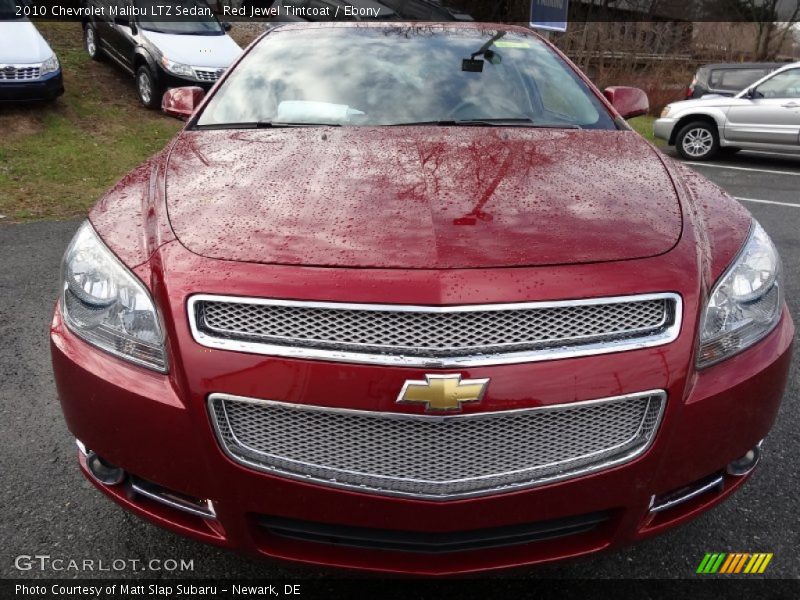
(168, 81)
(662, 128)
(47, 88)
(158, 430)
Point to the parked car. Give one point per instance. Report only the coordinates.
(161, 53)
(727, 79)
(29, 69)
(443, 345)
(765, 116)
(426, 10)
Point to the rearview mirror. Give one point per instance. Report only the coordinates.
(226, 26)
(182, 102)
(628, 101)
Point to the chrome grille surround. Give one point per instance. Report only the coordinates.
(435, 337)
(436, 457)
(207, 74)
(22, 72)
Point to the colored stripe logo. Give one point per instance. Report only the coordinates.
(734, 563)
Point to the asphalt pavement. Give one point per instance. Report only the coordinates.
(49, 509)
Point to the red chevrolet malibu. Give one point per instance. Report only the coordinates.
(416, 299)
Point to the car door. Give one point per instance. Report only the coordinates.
(103, 23)
(770, 115)
(122, 37)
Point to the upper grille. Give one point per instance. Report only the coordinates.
(435, 336)
(208, 74)
(436, 457)
(18, 72)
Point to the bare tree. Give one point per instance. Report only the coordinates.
(774, 21)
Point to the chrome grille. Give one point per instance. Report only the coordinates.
(435, 336)
(208, 74)
(18, 72)
(436, 457)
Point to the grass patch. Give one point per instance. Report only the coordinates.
(644, 126)
(58, 158)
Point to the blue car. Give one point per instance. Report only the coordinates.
(29, 69)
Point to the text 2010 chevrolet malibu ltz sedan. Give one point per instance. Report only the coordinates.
(416, 299)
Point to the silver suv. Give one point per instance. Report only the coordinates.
(765, 116)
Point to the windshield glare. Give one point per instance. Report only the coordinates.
(403, 75)
(199, 23)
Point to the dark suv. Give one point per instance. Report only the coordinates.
(160, 53)
(727, 79)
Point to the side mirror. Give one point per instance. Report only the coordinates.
(226, 26)
(182, 102)
(628, 101)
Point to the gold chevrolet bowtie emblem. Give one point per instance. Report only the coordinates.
(443, 392)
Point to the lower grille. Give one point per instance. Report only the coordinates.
(436, 457)
(18, 73)
(410, 541)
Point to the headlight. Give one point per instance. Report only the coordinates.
(746, 303)
(106, 305)
(666, 110)
(177, 68)
(49, 66)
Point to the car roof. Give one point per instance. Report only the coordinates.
(790, 65)
(745, 65)
(476, 26)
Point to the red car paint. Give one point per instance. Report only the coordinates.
(393, 197)
(608, 216)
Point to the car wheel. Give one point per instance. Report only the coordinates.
(697, 141)
(91, 42)
(148, 89)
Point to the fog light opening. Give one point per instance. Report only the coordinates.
(742, 466)
(102, 470)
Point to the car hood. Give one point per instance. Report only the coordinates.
(709, 101)
(22, 43)
(420, 197)
(217, 51)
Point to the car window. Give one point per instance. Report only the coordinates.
(782, 85)
(391, 76)
(735, 79)
(194, 23)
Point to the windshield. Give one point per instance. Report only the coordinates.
(8, 10)
(184, 17)
(403, 75)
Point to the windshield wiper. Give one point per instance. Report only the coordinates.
(263, 125)
(279, 124)
(507, 122)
